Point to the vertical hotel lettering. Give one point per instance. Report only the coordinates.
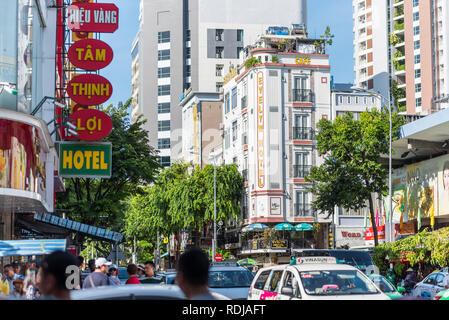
(260, 130)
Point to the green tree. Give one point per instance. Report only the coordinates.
(326, 38)
(99, 202)
(352, 171)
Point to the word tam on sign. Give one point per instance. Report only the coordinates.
(90, 54)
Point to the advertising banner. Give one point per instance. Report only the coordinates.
(399, 186)
(31, 247)
(83, 160)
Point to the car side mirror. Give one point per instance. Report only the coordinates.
(287, 291)
(401, 289)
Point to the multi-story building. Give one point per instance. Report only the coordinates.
(271, 108)
(405, 41)
(193, 43)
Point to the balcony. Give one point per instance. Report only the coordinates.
(302, 133)
(301, 171)
(263, 245)
(228, 242)
(245, 175)
(302, 95)
(244, 102)
(303, 210)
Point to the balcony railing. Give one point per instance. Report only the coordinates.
(301, 171)
(302, 133)
(302, 95)
(262, 244)
(303, 210)
(244, 102)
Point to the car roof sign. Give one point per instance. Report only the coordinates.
(315, 260)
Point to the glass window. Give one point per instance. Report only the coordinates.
(272, 285)
(239, 52)
(219, 70)
(291, 282)
(418, 73)
(227, 103)
(382, 284)
(415, 3)
(240, 35)
(163, 36)
(234, 130)
(163, 107)
(234, 97)
(219, 34)
(418, 87)
(418, 102)
(415, 16)
(219, 86)
(262, 278)
(163, 143)
(230, 279)
(417, 58)
(188, 53)
(164, 161)
(163, 125)
(416, 44)
(188, 71)
(219, 52)
(416, 30)
(227, 139)
(163, 55)
(188, 35)
(163, 72)
(164, 90)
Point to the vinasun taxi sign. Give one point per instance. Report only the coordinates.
(90, 54)
(91, 125)
(315, 260)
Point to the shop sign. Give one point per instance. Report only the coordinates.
(90, 54)
(83, 160)
(369, 233)
(279, 244)
(89, 89)
(91, 124)
(302, 60)
(260, 130)
(93, 17)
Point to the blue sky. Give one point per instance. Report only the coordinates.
(334, 13)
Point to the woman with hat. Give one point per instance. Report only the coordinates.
(113, 275)
(410, 280)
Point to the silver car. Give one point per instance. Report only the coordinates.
(230, 281)
(431, 285)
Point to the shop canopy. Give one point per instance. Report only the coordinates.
(91, 231)
(31, 247)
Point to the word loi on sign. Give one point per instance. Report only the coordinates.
(91, 125)
(82, 160)
(93, 17)
(90, 54)
(89, 89)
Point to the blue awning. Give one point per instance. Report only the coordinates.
(107, 235)
(31, 247)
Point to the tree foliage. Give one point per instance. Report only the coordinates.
(134, 163)
(352, 172)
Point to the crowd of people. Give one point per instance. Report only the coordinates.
(49, 279)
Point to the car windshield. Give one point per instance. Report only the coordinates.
(336, 282)
(230, 279)
(383, 284)
(358, 259)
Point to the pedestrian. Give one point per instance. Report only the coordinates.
(410, 280)
(99, 277)
(29, 284)
(292, 261)
(140, 271)
(9, 277)
(193, 274)
(150, 274)
(17, 269)
(18, 288)
(54, 275)
(80, 271)
(132, 272)
(91, 265)
(113, 275)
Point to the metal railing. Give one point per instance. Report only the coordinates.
(303, 133)
(302, 95)
(301, 171)
(303, 210)
(262, 244)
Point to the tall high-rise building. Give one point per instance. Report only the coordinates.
(404, 41)
(193, 44)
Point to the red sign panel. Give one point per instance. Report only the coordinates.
(90, 54)
(93, 17)
(218, 257)
(369, 233)
(92, 125)
(89, 89)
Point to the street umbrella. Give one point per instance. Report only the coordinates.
(246, 262)
(304, 227)
(283, 227)
(257, 227)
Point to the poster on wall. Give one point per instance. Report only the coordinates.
(275, 206)
(443, 185)
(399, 186)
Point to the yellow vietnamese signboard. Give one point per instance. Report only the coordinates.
(302, 60)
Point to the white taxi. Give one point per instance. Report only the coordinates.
(313, 278)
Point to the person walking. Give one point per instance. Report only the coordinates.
(410, 280)
(9, 278)
(193, 274)
(99, 277)
(150, 274)
(29, 285)
(54, 275)
(17, 269)
(132, 272)
(113, 275)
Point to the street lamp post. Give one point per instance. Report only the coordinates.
(390, 202)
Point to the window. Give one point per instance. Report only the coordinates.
(219, 70)
(219, 86)
(227, 139)
(415, 16)
(188, 71)
(301, 169)
(219, 34)
(260, 282)
(418, 102)
(163, 90)
(302, 204)
(416, 44)
(188, 36)
(187, 85)
(227, 103)
(240, 35)
(164, 161)
(188, 53)
(418, 73)
(163, 72)
(163, 125)
(275, 279)
(163, 143)
(415, 30)
(418, 87)
(290, 282)
(163, 107)
(163, 36)
(234, 97)
(239, 52)
(415, 3)
(219, 52)
(417, 58)
(234, 130)
(163, 55)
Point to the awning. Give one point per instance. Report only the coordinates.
(94, 232)
(40, 228)
(31, 247)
